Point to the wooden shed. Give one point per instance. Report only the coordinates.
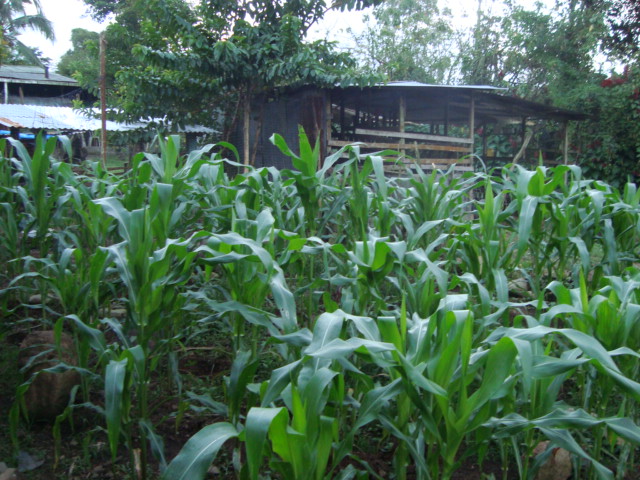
(28, 85)
(429, 124)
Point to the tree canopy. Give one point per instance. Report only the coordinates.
(409, 40)
(187, 62)
(82, 60)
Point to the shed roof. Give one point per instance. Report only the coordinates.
(412, 84)
(40, 117)
(503, 106)
(435, 103)
(33, 75)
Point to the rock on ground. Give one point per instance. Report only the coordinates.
(48, 394)
(558, 465)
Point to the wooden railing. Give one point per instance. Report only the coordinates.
(450, 150)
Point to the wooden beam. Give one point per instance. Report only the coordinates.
(426, 162)
(398, 146)
(412, 136)
(435, 161)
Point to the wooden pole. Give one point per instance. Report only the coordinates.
(328, 116)
(565, 147)
(403, 118)
(472, 122)
(446, 116)
(246, 133)
(103, 97)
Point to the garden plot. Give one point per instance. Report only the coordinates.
(321, 322)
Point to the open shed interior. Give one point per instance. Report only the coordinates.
(443, 125)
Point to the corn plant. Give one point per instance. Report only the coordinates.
(436, 317)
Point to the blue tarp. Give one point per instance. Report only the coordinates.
(23, 136)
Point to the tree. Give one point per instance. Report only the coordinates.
(13, 21)
(195, 62)
(409, 40)
(101, 9)
(623, 20)
(537, 53)
(552, 57)
(481, 52)
(82, 61)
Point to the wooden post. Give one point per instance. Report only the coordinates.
(245, 128)
(565, 147)
(103, 97)
(403, 117)
(446, 116)
(326, 138)
(484, 141)
(342, 119)
(472, 122)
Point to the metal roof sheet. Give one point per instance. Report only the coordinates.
(37, 75)
(405, 83)
(40, 117)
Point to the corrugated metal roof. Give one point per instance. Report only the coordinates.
(40, 117)
(403, 83)
(36, 75)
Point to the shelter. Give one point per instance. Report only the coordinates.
(56, 119)
(35, 100)
(24, 121)
(30, 85)
(430, 124)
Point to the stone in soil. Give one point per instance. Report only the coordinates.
(48, 394)
(557, 466)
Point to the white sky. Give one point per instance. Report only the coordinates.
(65, 16)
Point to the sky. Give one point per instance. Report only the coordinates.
(65, 16)
(69, 14)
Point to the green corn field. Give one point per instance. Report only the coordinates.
(423, 322)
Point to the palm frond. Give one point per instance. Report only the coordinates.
(34, 22)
